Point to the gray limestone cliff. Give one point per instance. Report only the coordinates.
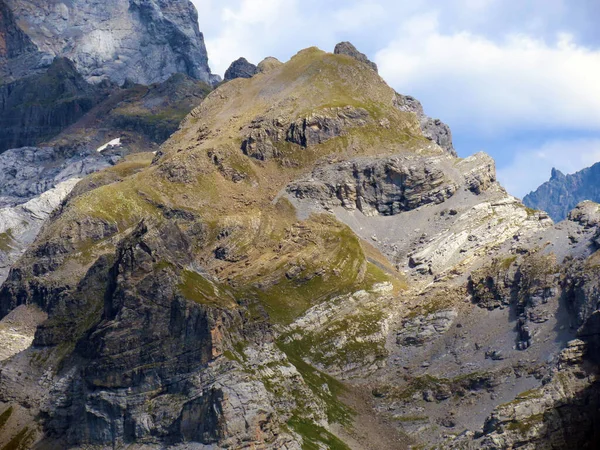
(58, 60)
(145, 41)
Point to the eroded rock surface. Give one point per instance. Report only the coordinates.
(346, 48)
(240, 68)
(317, 128)
(142, 41)
(433, 129)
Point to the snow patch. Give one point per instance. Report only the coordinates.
(114, 143)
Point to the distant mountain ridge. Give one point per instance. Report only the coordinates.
(563, 192)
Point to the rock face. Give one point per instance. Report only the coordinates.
(240, 68)
(352, 250)
(263, 134)
(386, 186)
(433, 129)
(38, 107)
(142, 41)
(346, 48)
(60, 60)
(13, 41)
(563, 192)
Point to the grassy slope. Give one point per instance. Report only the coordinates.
(264, 235)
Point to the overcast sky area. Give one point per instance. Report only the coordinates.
(518, 79)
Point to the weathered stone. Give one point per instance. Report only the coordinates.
(421, 330)
(433, 129)
(240, 68)
(118, 40)
(385, 186)
(346, 48)
(263, 135)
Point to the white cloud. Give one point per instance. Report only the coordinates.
(359, 15)
(493, 87)
(244, 27)
(531, 167)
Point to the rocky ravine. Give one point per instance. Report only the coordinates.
(361, 287)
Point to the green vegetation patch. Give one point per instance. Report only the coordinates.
(411, 419)
(314, 436)
(337, 411)
(524, 426)
(5, 416)
(337, 270)
(507, 262)
(119, 203)
(200, 290)
(22, 441)
(6, 241)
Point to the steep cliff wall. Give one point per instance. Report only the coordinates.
(144, 41)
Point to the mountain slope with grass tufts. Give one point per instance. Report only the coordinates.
(296, 268)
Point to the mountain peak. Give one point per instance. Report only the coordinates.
(562, 193)
(346, 48)
(240, 68)
(556, 174)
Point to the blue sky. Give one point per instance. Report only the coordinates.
(518, 79)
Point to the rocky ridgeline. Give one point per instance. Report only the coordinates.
(562, 193)
(361, 287)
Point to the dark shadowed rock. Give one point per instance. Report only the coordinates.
(240, 68)
(346, 48)
(39, 107)
(13, 41)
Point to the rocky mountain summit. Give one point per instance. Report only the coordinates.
(303, 264)
(240, 68)
(346, 48)
(562, 193)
